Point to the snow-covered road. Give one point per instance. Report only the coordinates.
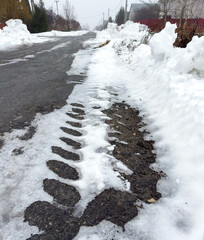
(33, 79)
(54, 179)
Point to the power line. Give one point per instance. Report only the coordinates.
(125, 17)
(111, 10)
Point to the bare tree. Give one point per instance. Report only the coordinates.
(185, 9)
(69, 14)
(166, 7)
(181, 9)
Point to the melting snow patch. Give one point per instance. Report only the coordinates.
(80, 63)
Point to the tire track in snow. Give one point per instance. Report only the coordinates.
(57, 223)
(58, 220)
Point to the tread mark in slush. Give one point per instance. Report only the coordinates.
(112, 205)
(71, 132)
(70, 142)
(79, 111)
(75, 116)
(65, 154)
(62, 193)
(63, 170)
(77, 105)
(74, 124)
(57, 223)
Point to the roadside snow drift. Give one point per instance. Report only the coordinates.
(16, 34)
(168, 87)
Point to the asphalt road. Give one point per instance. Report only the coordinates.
(33, 79)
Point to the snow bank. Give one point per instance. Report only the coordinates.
(182, 60)
(16, 34)
(166, 83)
(162, 43)
(128, 31)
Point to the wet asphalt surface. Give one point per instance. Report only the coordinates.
(37, 83)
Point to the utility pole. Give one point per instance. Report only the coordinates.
(108, 13)
(125, 17)
(57, 6)
(103, 20)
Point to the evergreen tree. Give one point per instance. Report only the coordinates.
(41, 4)
(39, 21)
(119, 19)
(110, 20)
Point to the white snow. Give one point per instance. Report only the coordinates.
(166, 84)
(55, 33)
(80, 63)
(16, 34)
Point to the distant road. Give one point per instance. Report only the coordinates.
(33, 79)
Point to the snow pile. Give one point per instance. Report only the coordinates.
(16, 34)
(129, 33)
(192, 56)
(166, 83)
(162, 43)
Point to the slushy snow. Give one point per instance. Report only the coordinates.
(166, 84)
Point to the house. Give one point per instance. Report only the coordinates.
(140, 11)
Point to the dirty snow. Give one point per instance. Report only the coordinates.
(167, 85)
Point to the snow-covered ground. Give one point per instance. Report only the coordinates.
(167, 85)
(55, 33)
(16, 34)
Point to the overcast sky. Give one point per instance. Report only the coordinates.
(90, 11)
